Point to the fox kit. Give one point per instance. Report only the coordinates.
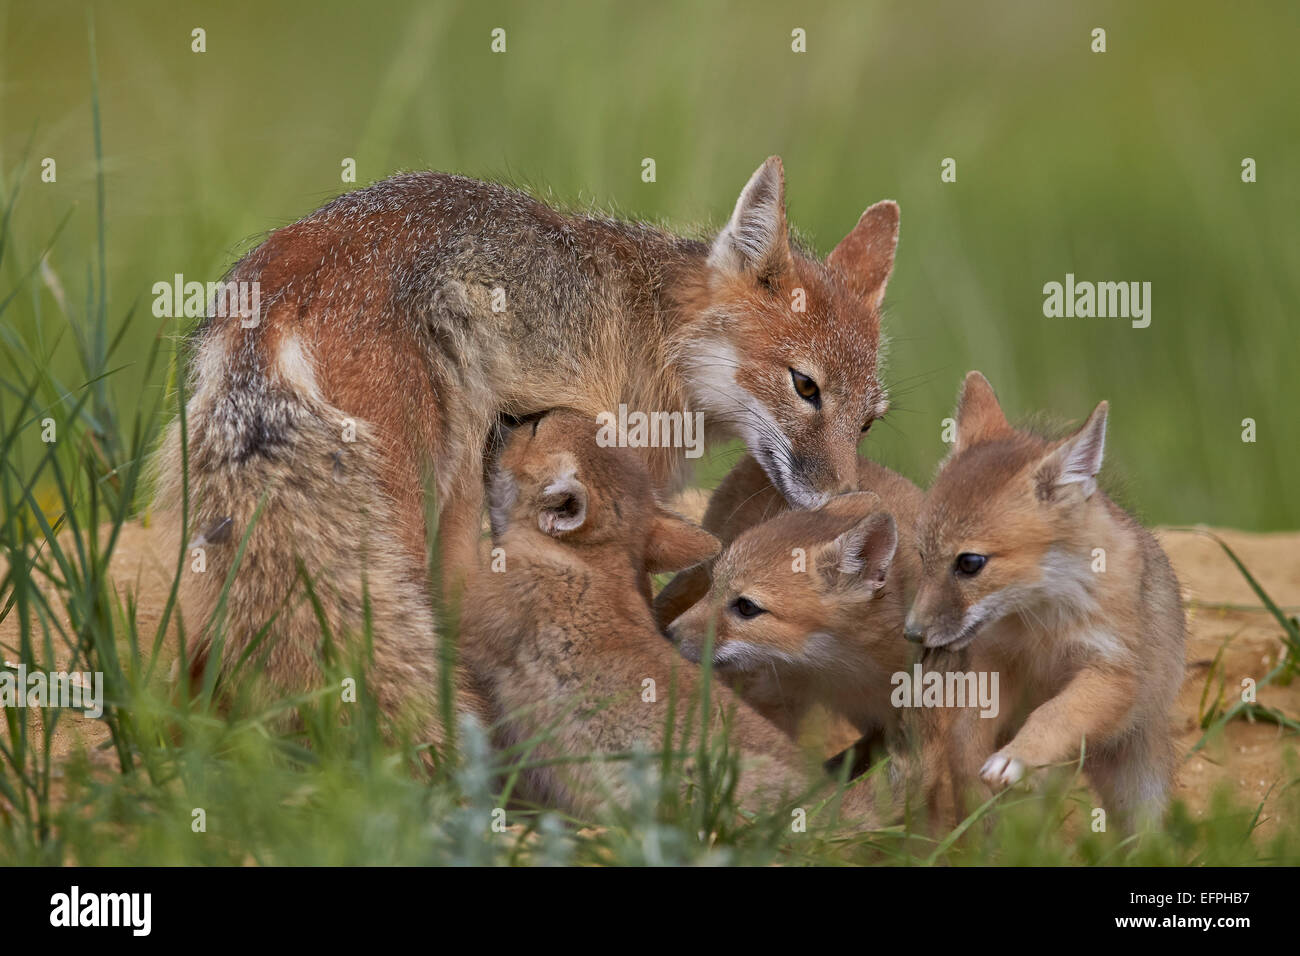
(807, 608)
(784, 687)
(395, 326)
(563, 636)
(746, 497)
(1029, 571)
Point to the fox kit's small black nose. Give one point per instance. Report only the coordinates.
(914, 632)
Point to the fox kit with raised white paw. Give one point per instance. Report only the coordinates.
(1031, 572)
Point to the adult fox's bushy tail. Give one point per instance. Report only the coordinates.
(278, 471)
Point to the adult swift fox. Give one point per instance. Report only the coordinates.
(1030, 571)
(562, 635)
(805, 606)
(398, 324)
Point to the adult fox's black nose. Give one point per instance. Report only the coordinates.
(914, 631)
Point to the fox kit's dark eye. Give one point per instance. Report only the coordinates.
(969, 564)
(746, 608)
(867, 427)
(806, 388)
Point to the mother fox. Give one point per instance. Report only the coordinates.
(400, 322)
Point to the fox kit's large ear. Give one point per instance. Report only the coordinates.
(979, 416)
(755, 240)
(676, 543)
(562, 506)
(861, 556)
(865, 257)
(1078, 459)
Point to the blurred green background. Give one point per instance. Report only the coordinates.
(1117, 166)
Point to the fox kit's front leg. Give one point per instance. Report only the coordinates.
(1092, 706)
(953, 741)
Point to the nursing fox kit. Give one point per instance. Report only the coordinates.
(434, 348)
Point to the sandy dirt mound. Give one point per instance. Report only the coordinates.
(1221, 607)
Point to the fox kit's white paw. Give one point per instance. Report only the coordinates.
(1001, 770)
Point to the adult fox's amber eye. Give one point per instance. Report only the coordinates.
(969, 563)
(746, 608)
(806, 388)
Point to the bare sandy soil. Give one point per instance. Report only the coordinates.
(1249, 757)
(1221, 607)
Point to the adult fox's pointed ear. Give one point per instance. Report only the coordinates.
(755, 241)
(676, 543)
(1077, 460)
(562, 506)
(979, 416)
(865, 257)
